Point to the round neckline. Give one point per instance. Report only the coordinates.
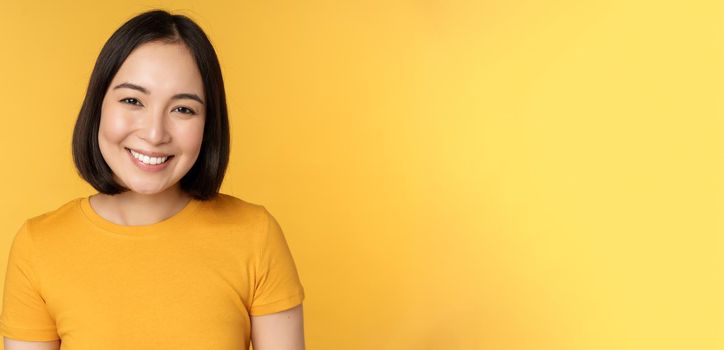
(155, 229)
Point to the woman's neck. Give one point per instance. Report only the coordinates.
(132, 209)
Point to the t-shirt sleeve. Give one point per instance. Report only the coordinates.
(24, 314)
(278, 286)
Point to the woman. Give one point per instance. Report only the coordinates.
(158, 259)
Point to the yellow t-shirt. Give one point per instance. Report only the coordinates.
(188, 282)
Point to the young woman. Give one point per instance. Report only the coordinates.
(158, 259)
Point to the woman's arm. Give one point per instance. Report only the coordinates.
(279, 331)
(12, 344)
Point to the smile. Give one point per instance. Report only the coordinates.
(148, 163)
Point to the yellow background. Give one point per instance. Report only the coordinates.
(449, 174)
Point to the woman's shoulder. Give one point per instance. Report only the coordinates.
(59, 214)
(231, 208)
(55, 220)
(233, 202)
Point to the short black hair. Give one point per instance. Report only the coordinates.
(204, 178)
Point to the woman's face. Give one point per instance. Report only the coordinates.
(153, 106)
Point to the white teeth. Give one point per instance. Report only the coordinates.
(148, 160)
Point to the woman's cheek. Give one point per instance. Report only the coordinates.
(193, 136)
(113, 128)
(118, 122)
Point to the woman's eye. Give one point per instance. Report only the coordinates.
(131, 100)
(186, 110)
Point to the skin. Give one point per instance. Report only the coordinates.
(155, 121)
(281, 330)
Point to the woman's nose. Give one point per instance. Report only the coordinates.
(155, 128)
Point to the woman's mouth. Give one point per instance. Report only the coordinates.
(148, 163)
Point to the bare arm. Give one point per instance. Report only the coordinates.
(12, 344)
(278, 331)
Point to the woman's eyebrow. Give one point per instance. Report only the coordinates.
(145, 91)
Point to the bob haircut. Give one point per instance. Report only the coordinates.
(204, 178)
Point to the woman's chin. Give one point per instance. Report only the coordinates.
(147, 190)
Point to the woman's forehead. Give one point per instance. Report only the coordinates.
(164, 68)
